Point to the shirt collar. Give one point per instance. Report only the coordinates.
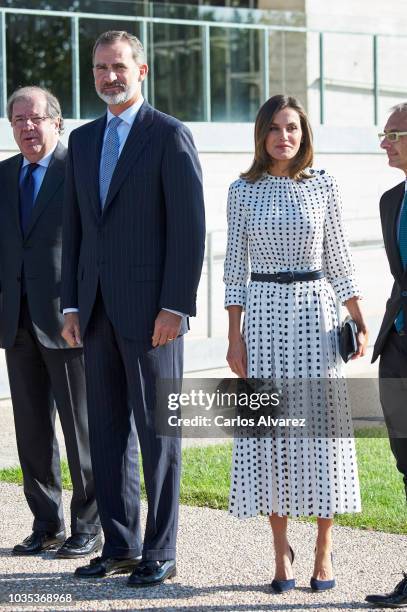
(44, 161)
(129, 115)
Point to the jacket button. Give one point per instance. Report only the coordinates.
(404, 293)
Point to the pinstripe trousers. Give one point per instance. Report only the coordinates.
(121, 380)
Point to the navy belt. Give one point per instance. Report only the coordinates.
(287, 277)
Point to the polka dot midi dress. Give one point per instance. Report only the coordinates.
(291, 332)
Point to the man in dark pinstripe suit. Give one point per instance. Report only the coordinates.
(133, 244)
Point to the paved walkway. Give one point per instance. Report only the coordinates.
(224, 565)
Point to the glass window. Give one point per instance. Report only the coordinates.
(39, 53)
(236, 79)
(89, 30)
(176, 73)
(287, 74)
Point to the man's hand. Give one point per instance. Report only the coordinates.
(71, 331)
(166, 328)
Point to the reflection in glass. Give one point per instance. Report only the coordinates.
(287, 72)
(236, 76)
(176, 80)
(89, 30)
(39, 53)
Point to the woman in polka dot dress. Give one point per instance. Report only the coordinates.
(284, 217)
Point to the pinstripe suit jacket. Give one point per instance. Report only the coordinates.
(38, 253)
(146, 248)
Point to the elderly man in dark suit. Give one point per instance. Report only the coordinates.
(391, 343)
(43, 370)
(133, 250)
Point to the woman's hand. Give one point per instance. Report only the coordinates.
(362, 336)
(237, 356)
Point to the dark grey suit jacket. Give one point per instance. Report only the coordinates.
(390, 204)
(146, 248)
(39, 253)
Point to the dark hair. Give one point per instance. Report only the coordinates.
(112, 36)
(262, 161)
(25, 93)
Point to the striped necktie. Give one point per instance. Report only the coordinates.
(110, 155)
(399, 322)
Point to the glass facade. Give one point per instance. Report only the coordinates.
(176, 65)
(38, 52)
(220, 65)
(236, 78)
(89, 29)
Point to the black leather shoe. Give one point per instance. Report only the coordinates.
(37, 542)
(100, 567)
(395, 599)
(79, 545)
(150, 573)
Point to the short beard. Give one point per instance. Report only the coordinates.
(119, 98)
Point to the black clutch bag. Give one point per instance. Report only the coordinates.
(348, 344)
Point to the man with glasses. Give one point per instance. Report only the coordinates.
(43, 370)
(391, 343)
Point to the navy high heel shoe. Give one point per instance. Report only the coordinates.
(281, 586)
(323, 585)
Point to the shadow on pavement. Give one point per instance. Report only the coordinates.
(93, 590)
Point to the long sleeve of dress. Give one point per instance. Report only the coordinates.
(337, 259)
(236, 267)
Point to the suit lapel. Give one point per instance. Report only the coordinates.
(95, 152)
(13, 191)
(392, 211)
(52, 180)
(135, 143)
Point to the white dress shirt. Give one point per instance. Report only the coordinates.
(39, 173)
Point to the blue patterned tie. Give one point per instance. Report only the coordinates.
(27, 190)
(399, 322)
(110, 155)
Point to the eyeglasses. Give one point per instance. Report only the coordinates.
(391, 136)
(21, 121)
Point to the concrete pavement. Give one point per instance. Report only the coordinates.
(224, 565)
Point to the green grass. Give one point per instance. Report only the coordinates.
(206, 470)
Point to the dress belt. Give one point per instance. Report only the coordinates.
(287, 277)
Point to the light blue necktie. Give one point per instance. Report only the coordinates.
(399, 322)
(110, 155)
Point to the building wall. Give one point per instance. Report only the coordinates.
(348, 59)
(358, 15)
(282, 5)
(352, 155)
